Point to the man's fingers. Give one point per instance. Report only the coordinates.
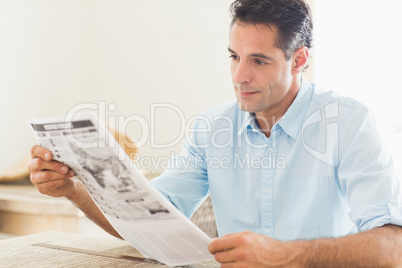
(49, 187)
(37, 164)
(41, 152)
(225, 256)
(219, 244)
(48, 176)
(224, 243)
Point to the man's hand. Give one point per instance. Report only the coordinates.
(54, 179)
(50, 177)
(249, 249)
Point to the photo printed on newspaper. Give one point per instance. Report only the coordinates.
(140, 214)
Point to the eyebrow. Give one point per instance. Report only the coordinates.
(256, 55)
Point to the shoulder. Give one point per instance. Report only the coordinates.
(340, 106)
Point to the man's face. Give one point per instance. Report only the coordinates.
(261, 75)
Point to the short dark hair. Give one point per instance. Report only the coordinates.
(292, 18)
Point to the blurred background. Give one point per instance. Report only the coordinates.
(59, 54)
(127, 56)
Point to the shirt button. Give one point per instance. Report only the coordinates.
(270, 150)
(267, 231)
(267, 190)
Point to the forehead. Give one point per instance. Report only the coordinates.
(252, 36)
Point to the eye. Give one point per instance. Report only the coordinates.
(260, 62)
(234, 57)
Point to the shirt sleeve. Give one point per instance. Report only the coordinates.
(366, 174)
(185, 182)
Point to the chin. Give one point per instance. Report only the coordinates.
(245, 107)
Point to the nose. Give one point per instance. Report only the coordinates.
(241, 73)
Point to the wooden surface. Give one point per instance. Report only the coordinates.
(59, 249)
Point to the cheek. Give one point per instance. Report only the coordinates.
(233, 69)
(287, 70)
(283, 75)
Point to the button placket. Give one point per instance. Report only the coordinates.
(267, 183)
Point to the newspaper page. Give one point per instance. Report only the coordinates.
(139, 213)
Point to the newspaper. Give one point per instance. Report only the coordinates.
(140, 214)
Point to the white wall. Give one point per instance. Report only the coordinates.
(55, 54)
(357, 53)
(41, 67)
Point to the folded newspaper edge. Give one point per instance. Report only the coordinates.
(138, 212)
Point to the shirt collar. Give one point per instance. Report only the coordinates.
(248, 122)
(292, 120)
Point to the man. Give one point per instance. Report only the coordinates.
(303, 180)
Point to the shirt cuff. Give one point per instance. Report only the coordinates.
(373, 216)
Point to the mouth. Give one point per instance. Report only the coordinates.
(246, 94)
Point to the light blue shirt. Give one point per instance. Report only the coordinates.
(323, 172)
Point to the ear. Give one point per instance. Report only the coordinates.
(300, 59)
